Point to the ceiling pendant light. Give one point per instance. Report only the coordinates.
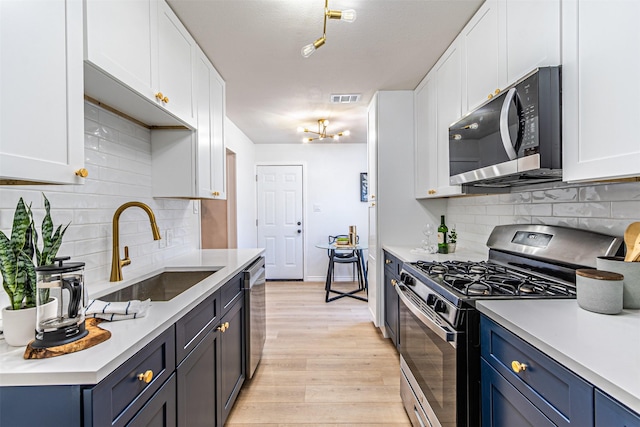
(348, 15)
(322, 132)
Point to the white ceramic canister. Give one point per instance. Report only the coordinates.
(599, 291)
(631, 273)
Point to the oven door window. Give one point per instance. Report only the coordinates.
(433, 363)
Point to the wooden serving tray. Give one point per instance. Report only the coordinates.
(95, 336)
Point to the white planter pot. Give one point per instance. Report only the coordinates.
(19, 326)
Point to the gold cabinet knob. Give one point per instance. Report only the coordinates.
(223, 327)
(216, 193)
(146, 377)
(518, 367)
(159, 96)
(165, 100)
(490, 96)
(82, 173)
(373, 196)
(387, 261)
(394, 282)
(432, 192)
(373, 204)
(226, 325)
(497, 91)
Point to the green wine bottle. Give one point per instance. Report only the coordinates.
(442, 237)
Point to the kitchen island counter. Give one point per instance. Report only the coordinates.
(92, 365)
(602, 349)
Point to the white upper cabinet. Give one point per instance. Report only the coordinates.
(127, 53)
(482, 62)
(189, 164)
(438, 103)
(139, 60)
(600, 87)
(426, 146)
(176, 52)
(449, 76)
(41, 101)
(532, 36)
(504, 41)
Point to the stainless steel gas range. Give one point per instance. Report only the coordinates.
(439, 325)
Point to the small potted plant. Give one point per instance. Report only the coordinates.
(19, 256)
(453, 238)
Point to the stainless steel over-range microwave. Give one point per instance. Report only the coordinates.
(512, 139)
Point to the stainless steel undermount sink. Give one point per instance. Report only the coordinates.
(162, 287)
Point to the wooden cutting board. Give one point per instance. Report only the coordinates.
(95, 336)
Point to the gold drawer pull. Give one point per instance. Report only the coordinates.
(82, 173)
(518, 367)
(387, 261)
(394, 282)
(223, 327)
(146, 377)
(165, 100)
(159, 96)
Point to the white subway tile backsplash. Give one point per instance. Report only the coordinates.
(628, 209)
(599, 210)
(606, 208)
(555, 195)
(118, 157)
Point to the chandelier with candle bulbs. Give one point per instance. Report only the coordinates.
(322, 132)
(348, 15)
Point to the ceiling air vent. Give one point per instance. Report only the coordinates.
(345, 98)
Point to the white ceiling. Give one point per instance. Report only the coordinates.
(271, 89)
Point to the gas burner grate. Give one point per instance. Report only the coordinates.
(481, 279)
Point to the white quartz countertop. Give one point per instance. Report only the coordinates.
(90, 366)
(409, 254)
(602, 349)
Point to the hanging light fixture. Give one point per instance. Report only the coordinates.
(322, 132)
(348, 15)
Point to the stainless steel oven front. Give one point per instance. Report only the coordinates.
(430, 352)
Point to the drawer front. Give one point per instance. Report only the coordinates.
(563, 396)
(195, 325)
(392, 263)
(230, 291)
(117, 398)
(610, 413)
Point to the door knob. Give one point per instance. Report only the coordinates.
(299, 231)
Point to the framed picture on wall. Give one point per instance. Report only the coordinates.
(364, 187)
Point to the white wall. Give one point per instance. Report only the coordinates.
(605, 208)
(244, 148)
(118, 158)
(331, 194)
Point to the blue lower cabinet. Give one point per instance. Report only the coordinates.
(504, 406)
(160, 410)
(610, 413)
(562, 396)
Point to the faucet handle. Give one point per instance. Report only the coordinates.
(126, 260)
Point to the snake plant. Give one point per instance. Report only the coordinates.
(16, 259)
(17, 254)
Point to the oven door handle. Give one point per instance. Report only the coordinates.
(444, 333)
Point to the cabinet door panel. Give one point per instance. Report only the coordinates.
(504, 405)
(610, 413)
(599, 80)
(41, 67)
(391, 307)
(160, 411)
(232, 357)
(482, 62)
(197, 377)
(176, 51)
(426, 161)
(119, 40)
(449, 109)
(532, 36)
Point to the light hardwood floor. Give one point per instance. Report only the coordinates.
(324, 364)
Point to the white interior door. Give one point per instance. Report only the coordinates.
(280, 220)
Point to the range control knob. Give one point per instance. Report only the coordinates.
(431, 300)
(440, 306)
